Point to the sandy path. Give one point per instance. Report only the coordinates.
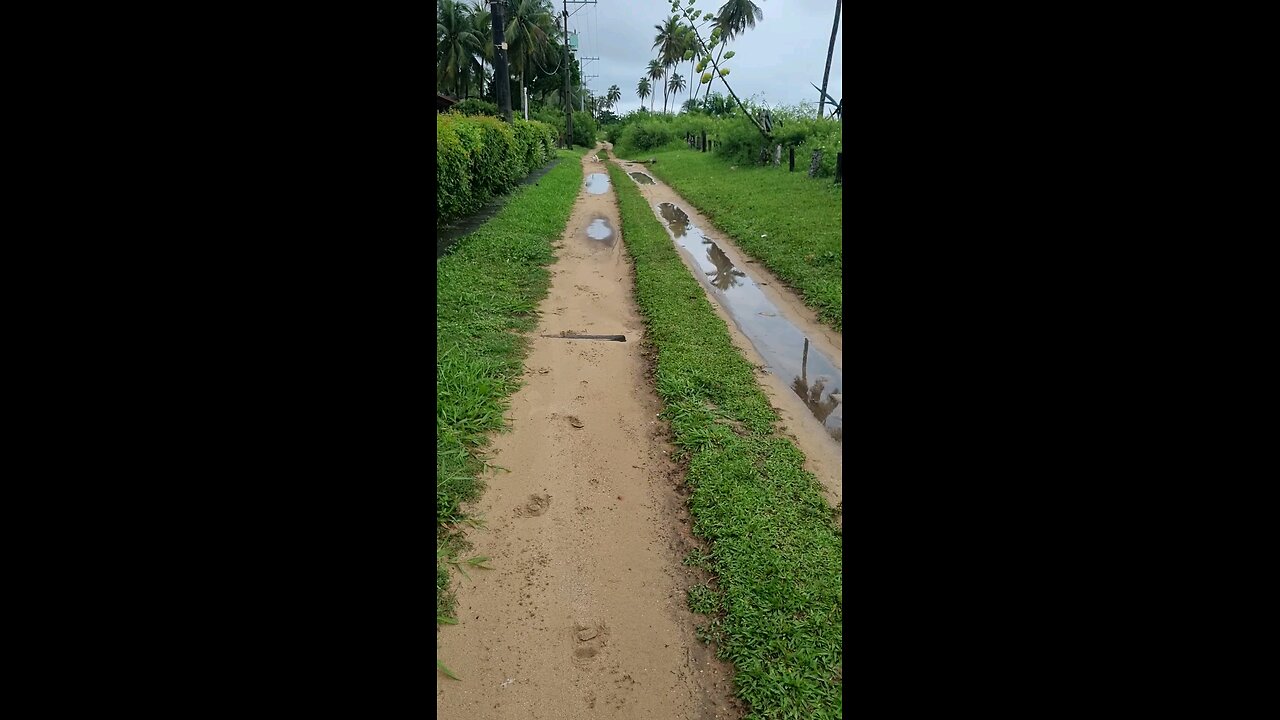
(823, 455)
(584, 614)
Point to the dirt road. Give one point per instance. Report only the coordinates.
(583, 614)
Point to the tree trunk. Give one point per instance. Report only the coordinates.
(727, 86)
(831, 47)
(815, 163)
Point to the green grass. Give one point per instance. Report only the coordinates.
(775, 552)
(487, 288)
(800, 215)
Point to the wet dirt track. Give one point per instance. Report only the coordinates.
(584, 613)
(801, 358)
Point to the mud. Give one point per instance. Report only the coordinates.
(798, 377)
(786, 350)
(584, 612)
(641, 178)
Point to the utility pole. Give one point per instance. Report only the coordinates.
(568, 101)
(501, 75)
(582, 79)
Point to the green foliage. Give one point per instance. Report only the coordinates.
(478, 157)
(475, 106)
(584, 129)
(773, 548)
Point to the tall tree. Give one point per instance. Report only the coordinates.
(656, 73)
(528, 30)
(675, 84)
(456, 44)
(642, 89)
(831, 47)
(668, 44)
(612, 96)
(482, 28)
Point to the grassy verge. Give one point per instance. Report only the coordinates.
(801, 217)
(487, 287)
(776, 607)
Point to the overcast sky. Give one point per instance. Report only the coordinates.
(776, 61)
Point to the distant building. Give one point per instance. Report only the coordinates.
(444, 102)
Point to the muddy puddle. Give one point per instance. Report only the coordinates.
(785, 349)
(597, 183)
(600, 229)
(641, 178)
(446, 237)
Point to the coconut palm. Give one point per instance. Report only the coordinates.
(656, 73)
(822, 97)
(669, 44)
(738, 16)
(529, 27)
(456, 45)
(642, 89)
(612, 96)
(675, 84)
(482, 28)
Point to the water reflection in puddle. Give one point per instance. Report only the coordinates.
(600, 229)
(814, 379)
(597, 183)
(641, 178)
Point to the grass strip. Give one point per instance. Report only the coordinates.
(487, 286)
(776, 611)
(786, 220)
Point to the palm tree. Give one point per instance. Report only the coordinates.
(668, 43)
(675, 85)
(642, 89)
(456, 43)
(482, 28)
(735, 18)
(822, 97)
(656, 73)
(612, 96)
(528, 29)
(690, 44)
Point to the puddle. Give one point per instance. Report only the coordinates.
(446, 237)
(785, 349)
(597, 183)
(600, 229)
(641, 178)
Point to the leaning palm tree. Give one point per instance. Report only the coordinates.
(456, 43)
(675, 84)
(668, 43)
(734, 18)
(612, 96)
(642, 89)
(656, 73)
(822, 96)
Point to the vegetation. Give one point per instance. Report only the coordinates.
(487, 288)
(786, 221)
(775, 552)
(478, 157)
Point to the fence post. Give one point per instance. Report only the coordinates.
(839, 168)
(704, 141)
(792, 152)
(815, 163)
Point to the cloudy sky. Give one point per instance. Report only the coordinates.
(775, 62)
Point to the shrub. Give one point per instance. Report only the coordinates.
(478, 157)
(475, 106)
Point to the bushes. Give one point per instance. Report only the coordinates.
(584, 129)
(475, 106)
(478, 157)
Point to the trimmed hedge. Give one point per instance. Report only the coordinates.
(478, 157)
